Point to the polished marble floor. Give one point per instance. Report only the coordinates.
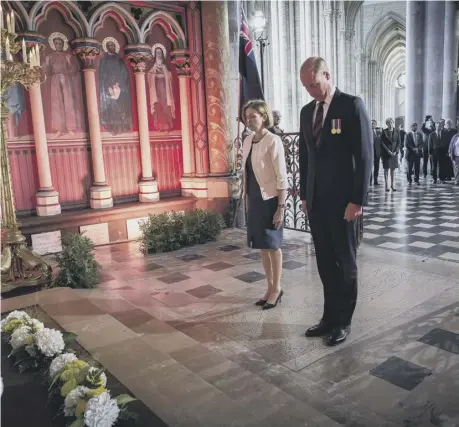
(422, 220)
(181, 332)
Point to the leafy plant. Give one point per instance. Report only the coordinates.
(78, 266)
(171, 231)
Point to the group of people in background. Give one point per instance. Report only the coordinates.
(436, 145)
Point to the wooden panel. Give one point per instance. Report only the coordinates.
(167, 164)
(71, 174)
(24, 176)
(123, 169)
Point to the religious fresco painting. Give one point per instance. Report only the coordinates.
(114, 89)
(19, 123)
(62, 92)
(162, 104)
(162, 84)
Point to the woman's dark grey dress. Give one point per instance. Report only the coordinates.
(261, 233)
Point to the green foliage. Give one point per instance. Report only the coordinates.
(78, 266)
(171, 231)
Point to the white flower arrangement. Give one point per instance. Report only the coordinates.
(59, 362)
(91, 404)
(50, 342)
(13, 321)
(72, 399)
(101, 411)
(23, 335)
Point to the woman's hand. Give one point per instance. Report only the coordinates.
(278, 218)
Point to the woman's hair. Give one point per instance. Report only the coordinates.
(262, 108)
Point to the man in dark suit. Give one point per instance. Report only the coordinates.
(437, 142)
(376, 151)
(336, 158)
(414, 143)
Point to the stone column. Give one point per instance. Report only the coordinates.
(330, 44)
(450, 48)
(100, 192)
(47, 196)
(434, 37)
(148, 186)
(198, 94)
(415, 15)
(182, 62)
(215, 34)
(348, 35)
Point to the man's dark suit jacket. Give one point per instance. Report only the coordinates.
(338, 169)
(439, 143)
(377, 141)
(411, 144)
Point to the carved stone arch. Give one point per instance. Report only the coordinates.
(20, 13)
(385, 25)
(126, 23)
(170, 26)
(71, 13)
(350, 12)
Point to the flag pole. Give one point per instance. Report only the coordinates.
(238, 206)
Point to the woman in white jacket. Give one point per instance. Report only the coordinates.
(264, 186)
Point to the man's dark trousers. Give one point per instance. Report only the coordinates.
(414, 161)
(336, 250)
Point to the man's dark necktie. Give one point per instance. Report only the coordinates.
(317, 129)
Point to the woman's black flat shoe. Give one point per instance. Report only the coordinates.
(268, 306)
(261, 302)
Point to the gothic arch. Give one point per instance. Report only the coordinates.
(351, 9)
(126, 23)
(21, 15)
(170, 26)
(72, 14)
(389, 26)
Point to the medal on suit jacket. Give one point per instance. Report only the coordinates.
(336, 126)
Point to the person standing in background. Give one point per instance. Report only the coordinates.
(427, 128)
(390, 146)
(376, 152)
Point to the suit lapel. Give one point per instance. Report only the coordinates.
(309, 117)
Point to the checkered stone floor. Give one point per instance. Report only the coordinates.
(421, 220)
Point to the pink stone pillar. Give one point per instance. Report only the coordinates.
(47, 197)
(215, 35)
(100, 192)
(182, 62)
(198, 92)
(148, 186)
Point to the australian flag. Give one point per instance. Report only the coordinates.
(250, 85)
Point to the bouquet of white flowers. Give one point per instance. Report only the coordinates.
(83, 386)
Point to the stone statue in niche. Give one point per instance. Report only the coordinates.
(115, 89)
(64, 75)
(161, 94)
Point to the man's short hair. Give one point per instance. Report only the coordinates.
(318, 65)
(414, 124)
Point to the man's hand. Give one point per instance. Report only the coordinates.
(352, 212)
(304, 208)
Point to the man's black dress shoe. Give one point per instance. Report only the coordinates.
(338, 335)
(318, 330)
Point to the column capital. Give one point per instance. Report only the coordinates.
(138, 55)
(88, 50)
(181, 59)
(332, 13)
(348, 34)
